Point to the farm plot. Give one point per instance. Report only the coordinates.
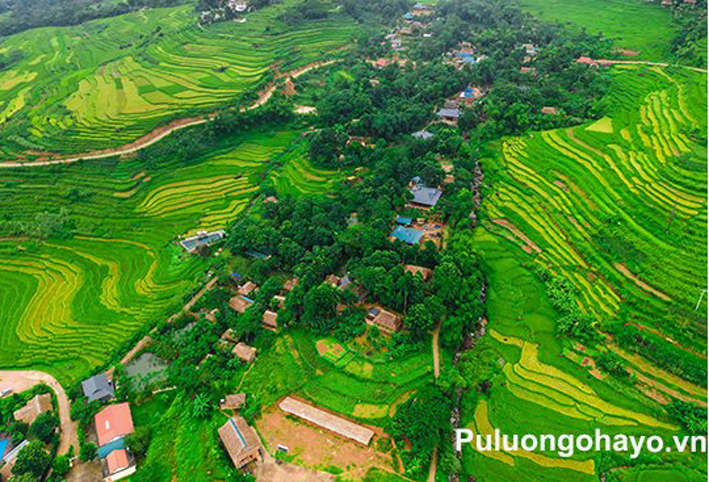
(67, 303)
(330, 375)
(622, 215)
(618, 208)
(107, 82)
(643, 27)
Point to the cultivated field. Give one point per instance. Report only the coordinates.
(66, 304)
(108, 82)
(644, 27)
(618, 208)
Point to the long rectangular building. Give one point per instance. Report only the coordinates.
(327, 420)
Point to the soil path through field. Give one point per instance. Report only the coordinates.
(432, 468)
(22, 380)
(160, 133)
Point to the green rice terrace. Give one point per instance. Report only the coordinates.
(108, 82)
(618, 208)
(67, 304)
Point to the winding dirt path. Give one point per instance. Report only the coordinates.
(22, 380)
(160, 133)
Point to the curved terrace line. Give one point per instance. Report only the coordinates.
(160, 133)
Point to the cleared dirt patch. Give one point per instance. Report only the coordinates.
(313, 447)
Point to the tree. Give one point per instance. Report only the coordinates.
(201, 406)
(88, 451)
(44, 427)
(34, 459)
(61, 465)
(320, 308)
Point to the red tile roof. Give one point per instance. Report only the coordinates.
(112, 422)
(117, 460)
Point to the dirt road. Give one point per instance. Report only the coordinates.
(160, 133)
(21, 380)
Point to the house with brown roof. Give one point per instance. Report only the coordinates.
(244, 352)
(241, 442)
(239, 303)
(233, 402)
(117, 465)
(247, 288)
(30, 412)
(230, 336)
(384, 319)
(413, 269)
(549, 110)
(270, 320)
(290, 284)
(334, 280)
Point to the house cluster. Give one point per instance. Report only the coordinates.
(27, 414)
(111, 426)
(451, 111)
(240, 302)
(464, 54)
(227, 9)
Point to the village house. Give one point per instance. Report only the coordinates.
(470, 95)
(386, 320)
(425, 197)
(240, 303)
(233, 401)
(113, 424)
(413, 269)
(247, 288)
(290, 284)
(269, 320)
(549, 110)
(38, 404)
(410, 236)
(327, 420)
(98, 387)
(202, 239)
(244, 352)
(241, 443)
(449, 116)
(421, 9)
(423, 134)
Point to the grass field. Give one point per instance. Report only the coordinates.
(66, 304)
(636, 25)
(617, 207)
(107, 82)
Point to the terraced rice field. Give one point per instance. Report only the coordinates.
(108, 82)
(66, 304)
(644, 27)
(617, 207)
(298, 176)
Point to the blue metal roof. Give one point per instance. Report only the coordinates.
(3, 445)
(407, 235)
(404, 220)
(105, 450)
